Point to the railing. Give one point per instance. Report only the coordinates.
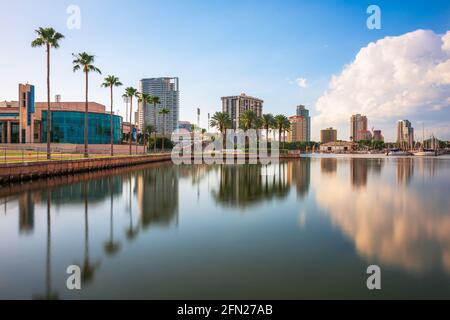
(21, 153)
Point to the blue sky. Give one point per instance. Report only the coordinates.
(215, 47)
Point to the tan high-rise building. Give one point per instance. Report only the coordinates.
(328, 135)
(405, 133)
(299, 129)
(235, 105)
(358, 127)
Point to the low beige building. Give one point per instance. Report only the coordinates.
(338, 147)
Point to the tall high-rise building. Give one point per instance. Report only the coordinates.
(235, 105)
(328, 135)
(358, 127)
(299, 129)
(167, 90)
(405, 133)
(306, 128)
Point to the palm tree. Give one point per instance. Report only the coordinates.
(279, 124)
(111, 82)
(267, 122)
(155, 100)
(143, 99)
(147, 133)
(164, 112)
(131, 93)
(248, 119)
(85, 62)
(49, 38)
(222, 121)
(286, 128)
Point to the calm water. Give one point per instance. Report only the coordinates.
(307, 228)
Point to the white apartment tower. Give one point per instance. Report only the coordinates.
(167, 90)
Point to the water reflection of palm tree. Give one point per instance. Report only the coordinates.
(88, 269)
(131, 232)
(111, 247)
(49, 295)
(158, 196)
(244, 186)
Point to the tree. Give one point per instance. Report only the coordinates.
(155, 100)
(286, 128)
(247, 120)
(131, 93)
(280, 124)
(267, 122)
(49, 38)
(85, 62)
(221, 121)
(143, 99)
(164, 112)
(147, 133)
(111, 82)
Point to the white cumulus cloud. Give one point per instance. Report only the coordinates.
(406, 76)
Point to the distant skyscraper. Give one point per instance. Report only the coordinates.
(328, 135)
(303, 112)
(405, 133)
(167, 90)
(358, 127)
(235, 105)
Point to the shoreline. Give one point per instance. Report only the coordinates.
(20, 172)
(11, 172)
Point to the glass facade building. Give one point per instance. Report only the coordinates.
(68, 127)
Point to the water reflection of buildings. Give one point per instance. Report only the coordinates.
(157, 195)
(26, 213)
(328, 165)
(246, 185)
(358, 172)
(359, 169)
(299, 173)
(389, 224)
(405, 170)
(98, 191)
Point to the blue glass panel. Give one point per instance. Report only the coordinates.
(68, 127)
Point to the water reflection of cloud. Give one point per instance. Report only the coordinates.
(390, 224)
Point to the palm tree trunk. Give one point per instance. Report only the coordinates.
(144, 129)
(49, 116)
(131, 125)
(86, 154)
(154, 122)
(112, 132)
(224, 132)
(164, 131)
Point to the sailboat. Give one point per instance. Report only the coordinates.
(423, 152)
(397, 152)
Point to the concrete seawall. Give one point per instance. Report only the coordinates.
(35, 170)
